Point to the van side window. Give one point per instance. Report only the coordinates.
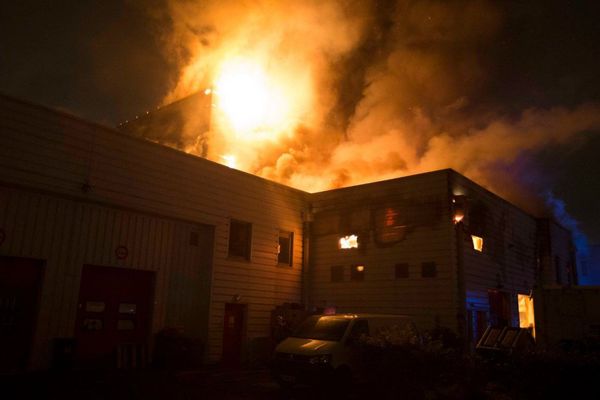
(360, 328)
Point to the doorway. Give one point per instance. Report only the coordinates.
(500, 314)
(233, 333)
(526, 313)
(114, 311)
(20, 283)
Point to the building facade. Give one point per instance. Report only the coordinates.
(108, 240)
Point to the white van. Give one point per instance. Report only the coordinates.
(323, 348)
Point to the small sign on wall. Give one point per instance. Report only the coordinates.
(121, 252)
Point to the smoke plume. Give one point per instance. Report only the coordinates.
(381, 89)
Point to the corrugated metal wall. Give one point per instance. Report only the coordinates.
(428, 239)
(508, 260)
(67, 234)
(53, 152)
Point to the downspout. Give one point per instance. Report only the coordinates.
(461, 301)
(307, 218)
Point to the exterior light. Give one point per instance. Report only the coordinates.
(360, 268)
(349, 242)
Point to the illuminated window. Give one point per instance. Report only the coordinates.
(349, 242)
(477, 242)
(401, 271)
(526, 315)
(285, 248)
(240, 239)
(337, 273)
(428, 270)
(357, 273)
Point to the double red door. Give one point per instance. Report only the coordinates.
(114, 309)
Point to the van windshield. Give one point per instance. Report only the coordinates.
(322, 328)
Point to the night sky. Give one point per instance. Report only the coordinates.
(105, 61)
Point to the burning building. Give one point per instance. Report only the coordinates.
(108, 241)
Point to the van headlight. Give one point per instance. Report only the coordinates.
(321, 359)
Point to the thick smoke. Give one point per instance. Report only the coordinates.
(394, 88)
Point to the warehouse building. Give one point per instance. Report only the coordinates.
(107, 239)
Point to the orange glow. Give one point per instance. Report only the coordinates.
(252, 102)
(229, 160)
(526, 313)
(360, 268)
(349, 242)
(458, 216)
(477, 243)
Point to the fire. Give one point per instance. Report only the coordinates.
(251, 103)
(229, 160)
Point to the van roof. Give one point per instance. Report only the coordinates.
(362, 315)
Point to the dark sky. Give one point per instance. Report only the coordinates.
(102, 60)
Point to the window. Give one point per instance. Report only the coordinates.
(285, 248)
(428, 270)
(557, 270)
(360, 329)
(477, 243)
(348, 242)
(240, 239)
(357, 272)
(337, 273)
(401, 271)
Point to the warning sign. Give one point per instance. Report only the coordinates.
(121, 252)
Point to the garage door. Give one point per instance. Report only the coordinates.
(114, 315)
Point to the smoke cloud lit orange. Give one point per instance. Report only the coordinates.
(320, 94)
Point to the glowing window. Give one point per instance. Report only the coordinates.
(349, 242)
(526, 314)
(357, 273)
(477, 242)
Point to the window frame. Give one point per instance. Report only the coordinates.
(248, 246)
(397, 268)
(425, 272)
(290, 237)
(355, 274)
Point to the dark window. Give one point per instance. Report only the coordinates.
(428, 270)
(401, 270)
(286, 246)
(337, 273)
(194, 239)
(240, 239)
(357, 272)
(558, 271)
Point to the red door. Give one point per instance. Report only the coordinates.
(20, 282)
(114, 309)
(233, 333)
(500, 314)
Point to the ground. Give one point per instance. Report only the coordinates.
(533, 377)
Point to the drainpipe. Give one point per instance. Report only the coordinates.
(307, 218)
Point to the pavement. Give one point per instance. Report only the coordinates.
(207, 383)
